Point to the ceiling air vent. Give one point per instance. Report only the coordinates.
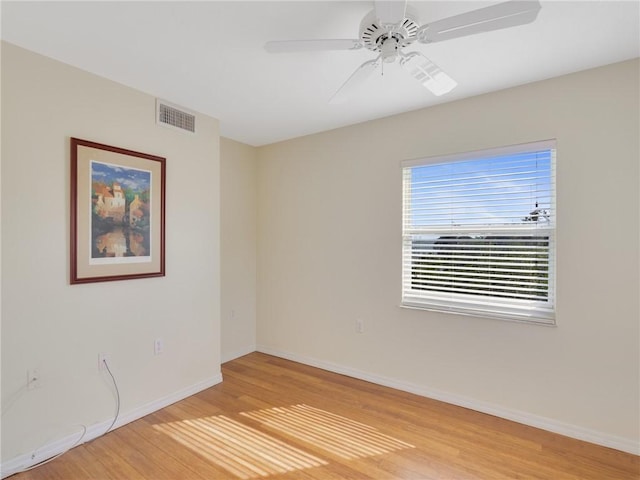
(175, 117)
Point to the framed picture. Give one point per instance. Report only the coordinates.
(117, 213)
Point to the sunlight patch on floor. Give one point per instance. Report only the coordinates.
(241, 450)
(335, 434)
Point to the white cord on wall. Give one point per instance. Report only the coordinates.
(84, 428)
(115, 384)
(51, 459)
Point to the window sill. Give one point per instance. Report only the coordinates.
(478, 313)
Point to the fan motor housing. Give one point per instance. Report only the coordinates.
(374, 35)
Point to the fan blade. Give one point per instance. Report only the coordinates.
(494, 17)
(312, 45)
(428, 73)
(356, 79)
(390, 12)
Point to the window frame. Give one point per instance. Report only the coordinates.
(528, 311)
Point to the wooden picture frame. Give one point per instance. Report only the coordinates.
(117, 213)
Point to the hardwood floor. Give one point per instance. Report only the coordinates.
(283, 420)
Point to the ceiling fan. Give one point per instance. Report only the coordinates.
(392, 25)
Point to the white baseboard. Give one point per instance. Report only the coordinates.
(49, 450)
(544, 423)
(241, 352)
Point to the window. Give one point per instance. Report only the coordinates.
(479, 233)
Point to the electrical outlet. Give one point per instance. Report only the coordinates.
(102, 358)
(33, 378)
(359, 325)
(158, 346)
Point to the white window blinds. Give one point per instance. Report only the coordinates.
(479, 233)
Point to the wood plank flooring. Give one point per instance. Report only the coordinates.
(272, 418)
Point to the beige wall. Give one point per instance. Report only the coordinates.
(60, 329)
(238, 224)
(329, 252)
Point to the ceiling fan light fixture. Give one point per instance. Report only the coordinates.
(428, 73)
(392, 26)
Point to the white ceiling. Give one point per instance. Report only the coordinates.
(209, 56)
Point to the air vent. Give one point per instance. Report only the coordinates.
(175, 117)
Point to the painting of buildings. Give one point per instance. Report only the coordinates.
(120, 218)
(111, 203)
